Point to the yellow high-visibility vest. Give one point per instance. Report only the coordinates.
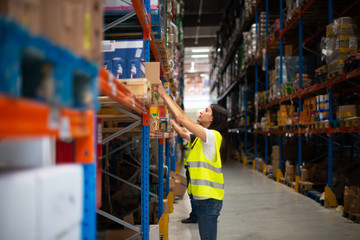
(187, 152)
(206, 177)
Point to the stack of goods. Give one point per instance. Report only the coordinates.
(124, 58)
(322, 108)
(289, 172)
(286, 115)
(308, 113)
(290, 67)
(291, 7)
(262, 26)
(261, 98)
(342, 43)
(248, 7)
(272, 83)
(315, 109)
(250, 44)
(352, 200)
(321, 74)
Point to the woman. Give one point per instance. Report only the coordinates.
(204, 162)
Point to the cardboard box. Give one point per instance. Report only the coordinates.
(63, 21)
(346, 111)
(120, 234)
(43, 203)
(349, 191)
(180, 186)
(354, 203)
(305, 175)
(288, 50)
(166, 206)
(25, 12)
(140, 87)
(152, 72)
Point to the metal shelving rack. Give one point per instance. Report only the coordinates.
(125, 98)
(272, 50)
(25, 117)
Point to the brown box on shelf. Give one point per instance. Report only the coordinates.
(354, 201)
(74, 24)
(25, 12)
(152, 72)
(63, 21)
(119, 234)
(166, 206)
(275, 159)
(272, 77)
(141, 87)
(93, 28)
(288, 51)
(180, 186)
(305, 175)
(347, 111)
(348, 191)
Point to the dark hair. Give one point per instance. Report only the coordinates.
(220, 124)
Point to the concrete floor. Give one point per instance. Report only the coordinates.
(256, 208)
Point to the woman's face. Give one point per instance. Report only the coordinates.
(205, 117)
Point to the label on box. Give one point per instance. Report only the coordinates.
(353, 43)
(162, 111)
(138, 53)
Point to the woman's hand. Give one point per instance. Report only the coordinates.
(160, 88)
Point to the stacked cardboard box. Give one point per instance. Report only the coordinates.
(289, 172)
(74, 24)
(343, 42)
(352, 199)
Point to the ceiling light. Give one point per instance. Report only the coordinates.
(202, 75)
(200, 56)
(200, 50)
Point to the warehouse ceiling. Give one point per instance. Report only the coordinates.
(201, 21)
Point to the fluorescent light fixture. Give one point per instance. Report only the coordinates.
(200, 56)
(202, 75)
(204, 50)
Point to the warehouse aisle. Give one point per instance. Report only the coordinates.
(257, 208)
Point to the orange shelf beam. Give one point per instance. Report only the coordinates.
(23, 117)
(145, 23)
(119, 92)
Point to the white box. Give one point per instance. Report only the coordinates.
(32, 152)
(41, 204)
(18, 206)
(60, 202)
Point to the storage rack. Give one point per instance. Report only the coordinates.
(132, 106)
(24, 117)
(274, 47)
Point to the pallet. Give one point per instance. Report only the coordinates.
(354, 217)
(350, 122)
(315, 195)
(282, 180)
(306, 186)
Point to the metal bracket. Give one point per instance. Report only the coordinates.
(122, 131)
(128, 183)
(118, 21)
(136, 117)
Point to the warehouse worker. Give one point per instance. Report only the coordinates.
(204, 162)
(184, 134)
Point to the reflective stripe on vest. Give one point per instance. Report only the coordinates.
(206, 178)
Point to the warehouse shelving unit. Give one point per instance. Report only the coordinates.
(28, 117)
(127, 103)
(293, 27)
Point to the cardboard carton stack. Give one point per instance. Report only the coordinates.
(352, 200)
(343, 42)
(289, 172)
